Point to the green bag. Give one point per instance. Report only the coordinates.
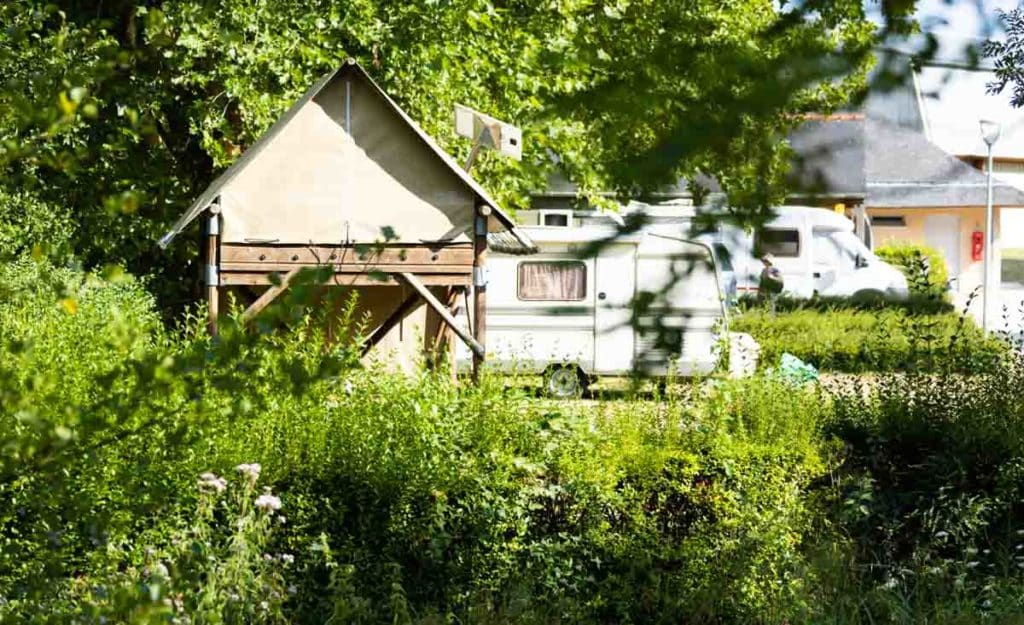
(795, 370)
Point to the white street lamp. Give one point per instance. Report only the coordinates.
(989, 134)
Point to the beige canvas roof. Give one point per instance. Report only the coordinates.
(345, 164)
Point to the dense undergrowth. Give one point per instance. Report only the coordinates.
(862, 339)
(129, 490)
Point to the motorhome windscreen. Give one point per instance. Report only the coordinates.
(779, 242)
(552, 281)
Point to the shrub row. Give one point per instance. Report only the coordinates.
(924, 267)
(886, 339)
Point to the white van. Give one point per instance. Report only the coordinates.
(570, 317)
(817, 252)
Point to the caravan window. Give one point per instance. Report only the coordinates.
(553, 281)
(778, 242)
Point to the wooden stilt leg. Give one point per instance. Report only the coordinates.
(452, 348)
(212, 273)
(444, 334)
(480, 288)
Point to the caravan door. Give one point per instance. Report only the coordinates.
(615, 283)
(683, 306)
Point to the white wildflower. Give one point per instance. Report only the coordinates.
(971, 565)
(251, 471)
(264, 605)
(941, 534)
(267, 557)
(349, 388)
(160, 570)
(268, 503)
(281, 519)
(287, 558)
(209, 481)
(292, 589)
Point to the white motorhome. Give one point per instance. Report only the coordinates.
(648, 301)
(817, 252)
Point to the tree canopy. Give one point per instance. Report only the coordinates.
(114, 115)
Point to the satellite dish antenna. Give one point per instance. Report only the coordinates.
(487, 132)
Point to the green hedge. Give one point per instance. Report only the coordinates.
(924, 267)
(916, 304)
(886, 339)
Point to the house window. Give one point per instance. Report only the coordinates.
(552, 281)
(889, 221)
(779, 242)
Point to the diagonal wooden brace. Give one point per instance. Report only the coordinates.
(269, 295)
(399, 313)
(442, 311)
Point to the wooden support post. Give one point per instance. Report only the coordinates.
(443, 338)
(212, 275)
(442, 312)
(269, 295)
(397, 315)
(453, 366)
(480, 288)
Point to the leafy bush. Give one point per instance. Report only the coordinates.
(886, 339)
(929, 493)
(27, 223)
(916, 304)
(924, 267)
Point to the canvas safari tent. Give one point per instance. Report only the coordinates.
(346, 178)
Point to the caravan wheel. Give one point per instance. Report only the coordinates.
(564, 382)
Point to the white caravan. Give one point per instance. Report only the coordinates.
(817, 252)
(569, 315)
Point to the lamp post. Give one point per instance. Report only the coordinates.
(989, 134)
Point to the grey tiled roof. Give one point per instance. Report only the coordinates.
(905, 169)
(829, 158)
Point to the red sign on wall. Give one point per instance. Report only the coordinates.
(977, 244)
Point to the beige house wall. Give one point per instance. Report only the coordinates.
(969, 272)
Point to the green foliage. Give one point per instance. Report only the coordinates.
(916, 304)
(122, 112)
(407, 499)
(924, 267)
(882, 339)
(215, 570)
(28, 224)
(929, 493)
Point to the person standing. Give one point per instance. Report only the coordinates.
(771, 283)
